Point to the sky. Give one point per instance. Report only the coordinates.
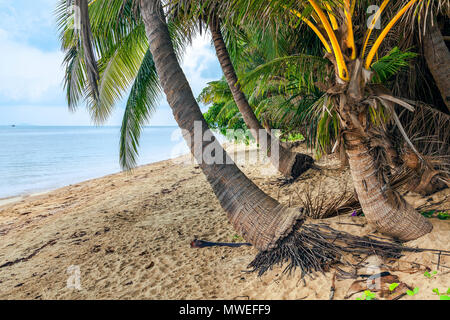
(31, 73)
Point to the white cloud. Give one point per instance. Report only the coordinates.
(28, 74)
(31, 84)
(200, 59)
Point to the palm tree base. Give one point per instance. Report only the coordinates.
(317, 247)
(301, 164)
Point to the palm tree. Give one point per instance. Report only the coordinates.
(277, 231)
(383, 207)
(290, 164)
(258, 217)
(359, 105)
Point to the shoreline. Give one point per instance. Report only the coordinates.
(19, 197)
(229, 146)
(14, 198)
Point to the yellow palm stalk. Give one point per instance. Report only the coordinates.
(350, 35)
(333, 20)
(342, 67)
(352, 9)
(314, 28)
(372, 25)
(385, 32)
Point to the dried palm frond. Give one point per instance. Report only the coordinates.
(321, 205)
(318, 247)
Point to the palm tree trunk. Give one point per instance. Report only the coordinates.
(437, 57)
(384, 208)
(260, 219)
(290, 164)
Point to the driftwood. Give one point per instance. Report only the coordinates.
(204, 244)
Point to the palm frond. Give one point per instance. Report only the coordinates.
(141, 104)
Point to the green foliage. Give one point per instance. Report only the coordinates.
(443, 215)
(394, 285)
(223, 114)
(442, 296)
(237, 238)
(292, 137)
(428, 214)
(430, 275)
(140, 106)
(391, 64)
(367, 295)
(412, 292)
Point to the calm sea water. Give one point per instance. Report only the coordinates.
(34, 159)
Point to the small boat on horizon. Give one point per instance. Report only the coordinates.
(13, 126)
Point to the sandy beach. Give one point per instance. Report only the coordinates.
(129, 234)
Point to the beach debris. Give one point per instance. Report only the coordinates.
(203, 244)
(375, 283)
(96, 248)
(109, 250)
(333, 286)
(78, 234)
(105, 230)
(318, 205)
(35, 252)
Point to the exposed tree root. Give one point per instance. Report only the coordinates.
(316, 247)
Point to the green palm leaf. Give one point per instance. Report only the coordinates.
(141, 104)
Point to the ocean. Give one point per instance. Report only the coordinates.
(35, 159)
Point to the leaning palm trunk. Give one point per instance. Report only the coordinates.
(260, 219)
(437, 57)
(384, 208)
(290, 164)
(277, 231)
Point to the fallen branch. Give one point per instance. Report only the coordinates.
(204, 244)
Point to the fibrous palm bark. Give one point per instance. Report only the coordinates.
(383, 207)
(290, 164)
(437, 56)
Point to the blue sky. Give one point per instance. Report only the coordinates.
(31, 75)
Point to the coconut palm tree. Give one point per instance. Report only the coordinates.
(355, 99)
(352, 97)
(290, 164)
(258, 217)
(277, 231)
